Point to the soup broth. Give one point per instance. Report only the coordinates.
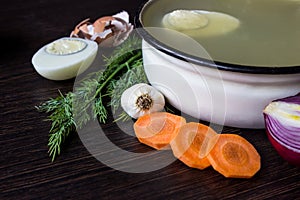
(268, 33)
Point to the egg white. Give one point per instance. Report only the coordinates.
(64, 66)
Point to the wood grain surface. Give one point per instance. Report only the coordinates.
(26, 169)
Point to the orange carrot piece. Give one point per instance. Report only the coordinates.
(233, 156)
(191, 144)
(158, 129)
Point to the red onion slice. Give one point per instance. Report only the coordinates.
(282, 119)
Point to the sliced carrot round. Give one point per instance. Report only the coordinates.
(158, 129)
(233, 156)
(191, 144)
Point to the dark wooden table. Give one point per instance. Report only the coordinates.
(26, 169)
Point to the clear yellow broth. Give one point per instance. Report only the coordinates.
(268, 34)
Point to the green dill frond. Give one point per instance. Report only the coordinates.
(99, 110)
(62, 121)
(73, 110)
(124, 51)
(123, 116)
(115, 90)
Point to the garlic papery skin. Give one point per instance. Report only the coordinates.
(141, 99)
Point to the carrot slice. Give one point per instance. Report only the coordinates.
(158, 129)
(191, 144)
(233, 156)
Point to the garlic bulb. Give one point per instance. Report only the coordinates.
(142, 99)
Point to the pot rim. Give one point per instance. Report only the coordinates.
(202, 61)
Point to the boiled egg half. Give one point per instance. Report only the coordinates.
(64, 58)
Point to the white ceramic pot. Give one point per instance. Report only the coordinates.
(219, 96)
(226, 92)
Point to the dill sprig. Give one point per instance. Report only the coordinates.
(116, 88)
(86, 101)
(62, 121)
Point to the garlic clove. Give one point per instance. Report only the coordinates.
(141, 99)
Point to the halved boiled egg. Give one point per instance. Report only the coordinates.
(200, 22)
(64, 58)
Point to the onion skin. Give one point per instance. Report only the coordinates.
(282, 121)
(287, 154)
(293, 99)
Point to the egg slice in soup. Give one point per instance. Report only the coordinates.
(200, 22)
